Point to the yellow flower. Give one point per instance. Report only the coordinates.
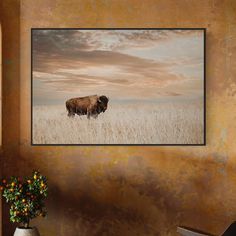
(23, 200)
(35, 176)
(29, 181)
(13, 184)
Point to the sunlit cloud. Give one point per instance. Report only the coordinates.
(128, 64)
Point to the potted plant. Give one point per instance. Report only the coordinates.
(26, 199)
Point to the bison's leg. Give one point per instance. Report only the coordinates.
(71, 114)
(89, 113)
(95, 115)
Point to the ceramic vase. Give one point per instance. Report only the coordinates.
(26, 232)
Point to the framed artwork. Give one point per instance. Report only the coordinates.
(130, 86)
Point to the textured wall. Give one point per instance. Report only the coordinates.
(129, 190)
(10, 26)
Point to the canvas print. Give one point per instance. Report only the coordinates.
(118, 87)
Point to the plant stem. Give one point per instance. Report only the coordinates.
(26, 224)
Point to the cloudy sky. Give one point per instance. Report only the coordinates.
(126, 65)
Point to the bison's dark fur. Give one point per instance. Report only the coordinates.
(90, 106)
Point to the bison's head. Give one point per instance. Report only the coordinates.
(102, 103)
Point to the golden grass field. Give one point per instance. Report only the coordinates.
(163, 123)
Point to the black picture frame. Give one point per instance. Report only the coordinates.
(204, 30)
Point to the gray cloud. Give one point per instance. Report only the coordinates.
(86, 61)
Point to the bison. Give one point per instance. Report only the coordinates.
(90, 106)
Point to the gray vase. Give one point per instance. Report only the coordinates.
(26, 232)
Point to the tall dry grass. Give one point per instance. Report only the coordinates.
(164, 123)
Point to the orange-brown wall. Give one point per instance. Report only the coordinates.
(126, 190)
